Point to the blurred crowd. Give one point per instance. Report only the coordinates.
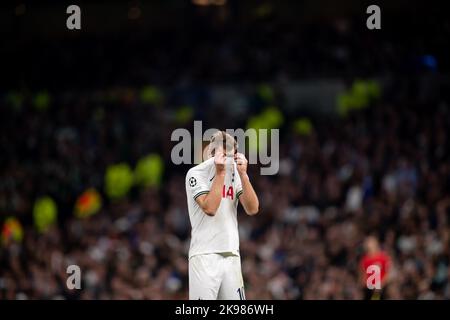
(380, 171)
(383, 170)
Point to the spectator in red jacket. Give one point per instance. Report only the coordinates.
(374, 256)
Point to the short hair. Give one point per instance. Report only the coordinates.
(224, 140)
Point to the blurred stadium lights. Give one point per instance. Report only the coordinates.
(209, 2)
(430, 62)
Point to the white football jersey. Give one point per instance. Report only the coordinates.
(218, 233)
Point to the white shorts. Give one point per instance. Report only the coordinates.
(215, 277)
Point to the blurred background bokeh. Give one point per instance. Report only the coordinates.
(86, 118)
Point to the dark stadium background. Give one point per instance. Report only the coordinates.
(364, 123)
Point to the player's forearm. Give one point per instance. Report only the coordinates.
(248, 198)
(212, 200)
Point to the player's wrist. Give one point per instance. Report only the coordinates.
(220, 171)
(244, 175)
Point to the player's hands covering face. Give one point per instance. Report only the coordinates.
(241, 162)
(219, 160)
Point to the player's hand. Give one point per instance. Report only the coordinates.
(219, 161)
(241, 162)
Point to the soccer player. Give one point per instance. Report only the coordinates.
(213, 189)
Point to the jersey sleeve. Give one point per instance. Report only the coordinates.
(196, 184)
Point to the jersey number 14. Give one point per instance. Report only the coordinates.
(228, 193)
